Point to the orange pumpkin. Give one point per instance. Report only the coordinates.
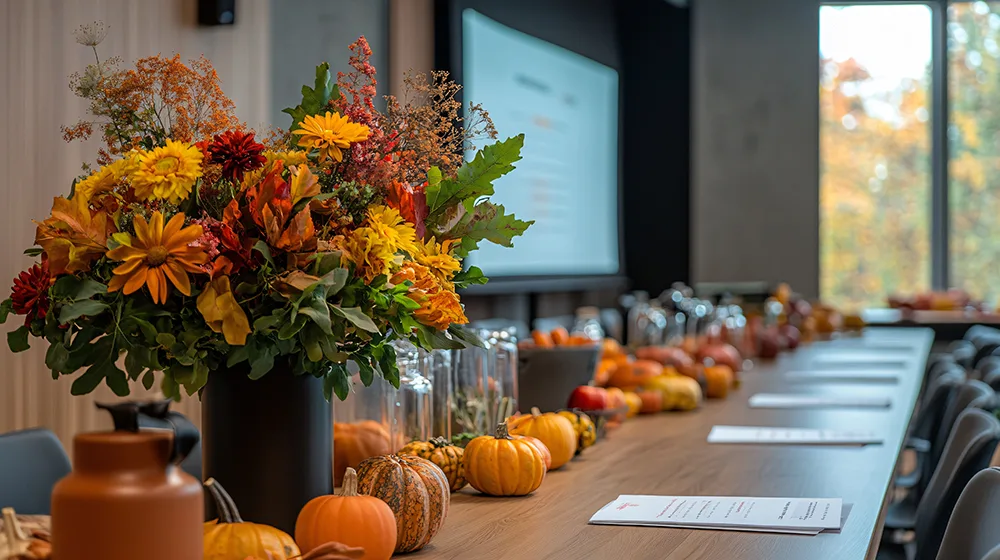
(416, 491)
(604, 370)
(669, 356)
(718, 380)
(616, 399)
(350, 519)
(556, 433)
(546, 454)
(355, 442)
(560, 336)
(504, 465)
(542, 339)
(652, 401)
(231, 538)
(610, 348)
(634, 404)
(634, 374)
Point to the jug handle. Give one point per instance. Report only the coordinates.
(186, 436)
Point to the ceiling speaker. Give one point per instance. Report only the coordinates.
(216, 12)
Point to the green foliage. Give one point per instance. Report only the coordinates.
(486, 221)
(474, 180)
(314, 99)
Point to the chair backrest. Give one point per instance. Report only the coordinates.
(936, 398)
(967, 451)
(963, 352)
(31, 462)
(964, 397)
(974, 527)
(985, 345)
(975, 331)
(989, 368)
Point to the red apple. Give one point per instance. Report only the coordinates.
(586, 397)
(791, 335)
(768, 343)
(723, 354)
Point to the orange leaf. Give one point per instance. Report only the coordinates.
(73, 237)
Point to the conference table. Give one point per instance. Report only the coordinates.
(667, 454)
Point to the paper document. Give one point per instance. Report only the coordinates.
(843, 375)
(781, 515)
(791, 400)
(847, 361)
(790, 436)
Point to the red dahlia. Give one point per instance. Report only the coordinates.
(30, 294)
(237, 153)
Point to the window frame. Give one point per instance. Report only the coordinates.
(939, 115)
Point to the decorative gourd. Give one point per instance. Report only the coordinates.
(443, 454)
(679, 392)
(335, 551)
(231, 538)
(634, 404)
(504, 465)
(16, 545)
(546, 454)
(416, 491)
(349, 519)
(586, 431)
(635, 374)
(355, 442)
(718, 380)
(652, 401)
(556, 433)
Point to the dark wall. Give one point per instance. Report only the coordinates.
(649, 43)
(656, 99)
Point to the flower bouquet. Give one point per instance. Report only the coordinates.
(196, 246)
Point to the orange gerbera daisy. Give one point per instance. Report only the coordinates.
(156, 254)
(330, 133)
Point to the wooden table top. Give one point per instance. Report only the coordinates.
(667, 454)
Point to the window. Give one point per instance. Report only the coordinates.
(974, 146)
(875, 152)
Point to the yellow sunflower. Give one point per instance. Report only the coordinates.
(330, 133)
(437, 257)
(167, 172)
(390, 227)
(155, 255)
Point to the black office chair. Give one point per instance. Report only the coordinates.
(31, 462)
(932, 408)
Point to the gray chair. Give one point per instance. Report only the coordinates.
(972, 393)
(967, 451)
(31, 462)
(932, 409)
(974, 527)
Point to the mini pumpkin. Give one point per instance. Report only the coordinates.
(556, 433)
(718, 380)
(355, 442)
(546, 454)
(586, 431)
(443, 454)
(634, 404)
(349, 519)
(504, 465)
(231, 538)
(416, 491)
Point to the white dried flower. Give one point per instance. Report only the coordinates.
(92, 34)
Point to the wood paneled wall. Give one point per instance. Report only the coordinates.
(35, 164)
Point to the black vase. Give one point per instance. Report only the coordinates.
(268, 441)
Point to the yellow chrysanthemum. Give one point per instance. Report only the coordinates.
(157, 255)
(291, 157)
(104, 179)
(390, 226)
(370, 254)
(437, 257)
(330, 134)
(167, 172)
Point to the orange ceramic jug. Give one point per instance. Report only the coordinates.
(126, 498)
